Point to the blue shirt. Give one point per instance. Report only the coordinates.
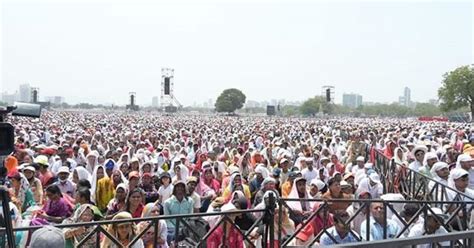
(173, 207)
(376, 229)
(326, 240)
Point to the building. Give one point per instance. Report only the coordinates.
(56, 100)
(9, 98)
(25, 93)
(154, 102)
(405, 100)
(351, 100)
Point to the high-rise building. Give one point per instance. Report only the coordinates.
(154, 102)
(25, 93)
(351, 100)
(407, 96)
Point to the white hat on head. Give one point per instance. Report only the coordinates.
(419, 148)
(63, 169)
(360, 159)
(374, 177)
(368, 165)
(458, 173)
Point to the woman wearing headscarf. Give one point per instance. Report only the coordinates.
(287, 225)
(300, 209)
(80, 173)
(232, 238)
(124, 232)
(151, 210)
(85, 213)
(398, 170)
(243, 164)
(235, 183)
(268, 183)
(55, 210)
(92, 161)
(134, 202)
(104, 192)
(118, 203)
(35, 184)
(209, 179)
(22, 195)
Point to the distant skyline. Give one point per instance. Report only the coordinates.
(97, 52)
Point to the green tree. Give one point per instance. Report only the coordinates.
(313, 105)
(457, 89)
(230, 100)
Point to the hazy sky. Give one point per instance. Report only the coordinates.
(98, 51)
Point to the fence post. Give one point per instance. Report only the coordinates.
(7, 217)
(280, 213)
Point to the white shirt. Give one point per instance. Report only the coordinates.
(415, 165)
(197, 200)
(418, 230)
(165, 193)
(309, 174)
(375, 191)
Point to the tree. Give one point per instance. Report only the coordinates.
(313, 105)
(230, 100)
(458, 89)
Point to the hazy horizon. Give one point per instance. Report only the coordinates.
(97, 52)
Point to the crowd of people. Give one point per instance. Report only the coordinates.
(75, 167)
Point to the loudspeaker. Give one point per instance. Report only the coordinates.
(328, 95)
(270, 110)
(171, 109)
(167, 85)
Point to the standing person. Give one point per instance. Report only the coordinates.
(178, 203)
(124, 232)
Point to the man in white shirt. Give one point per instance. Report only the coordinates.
(433, 227)
(359, 166)
(309, 173)
(372, 185)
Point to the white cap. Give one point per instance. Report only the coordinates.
(360, 159)
(368, 165)
(465, 158)
(63, 169)
(374, 177)
(30, 168)
(458, 173)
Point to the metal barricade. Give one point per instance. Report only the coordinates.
(181, 221)
(425, 207)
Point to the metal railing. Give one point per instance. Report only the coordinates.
(181, 222)
(425, 207)
(412, 242)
